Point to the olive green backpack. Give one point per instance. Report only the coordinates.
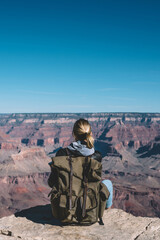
(78, 195)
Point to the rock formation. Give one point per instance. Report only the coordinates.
(38, 224)
(129, 143)
(23, 179)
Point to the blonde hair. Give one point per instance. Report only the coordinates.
(82, 131)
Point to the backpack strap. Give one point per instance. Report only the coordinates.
(70, 182)
(68, 152)
(70, 178)
(85, 182)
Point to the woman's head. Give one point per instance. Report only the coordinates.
(82, 132)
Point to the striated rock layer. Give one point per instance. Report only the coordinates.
(129, 143)
(135, 129)
(38, 224)
(23, 179)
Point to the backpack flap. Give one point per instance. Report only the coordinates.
(62, 163)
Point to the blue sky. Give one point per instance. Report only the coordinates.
(79, 56)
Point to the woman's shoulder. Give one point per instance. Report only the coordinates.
(63, 152)
(97, 155)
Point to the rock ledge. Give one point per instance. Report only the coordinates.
(37, 224)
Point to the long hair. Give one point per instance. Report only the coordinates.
(82, 131)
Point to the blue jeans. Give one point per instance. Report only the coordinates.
(109, 185)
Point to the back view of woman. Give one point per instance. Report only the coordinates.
(82, 146)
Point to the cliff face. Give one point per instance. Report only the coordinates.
(23, 179)
(37, 223)
(129, 143)
(50, 129)
(20, 192)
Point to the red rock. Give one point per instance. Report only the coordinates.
(127, 141)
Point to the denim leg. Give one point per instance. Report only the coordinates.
(109, 185)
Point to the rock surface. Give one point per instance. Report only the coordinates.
(38, 224)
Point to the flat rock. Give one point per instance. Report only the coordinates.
(37, 224)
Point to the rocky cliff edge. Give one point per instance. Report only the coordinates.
(37, 224)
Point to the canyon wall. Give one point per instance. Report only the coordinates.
(129, 143)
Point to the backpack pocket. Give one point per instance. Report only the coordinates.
(60, 206)
(91, 205)
(91, 201)
(64, 201)
(55, 204)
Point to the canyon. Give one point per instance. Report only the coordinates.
(129, 143)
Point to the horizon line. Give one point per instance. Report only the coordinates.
(10, 113)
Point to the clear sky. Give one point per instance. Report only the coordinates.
(79, 56)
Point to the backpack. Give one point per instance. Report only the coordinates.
(78, 195)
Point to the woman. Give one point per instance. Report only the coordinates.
(83, 146)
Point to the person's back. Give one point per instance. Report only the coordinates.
(87, 168)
